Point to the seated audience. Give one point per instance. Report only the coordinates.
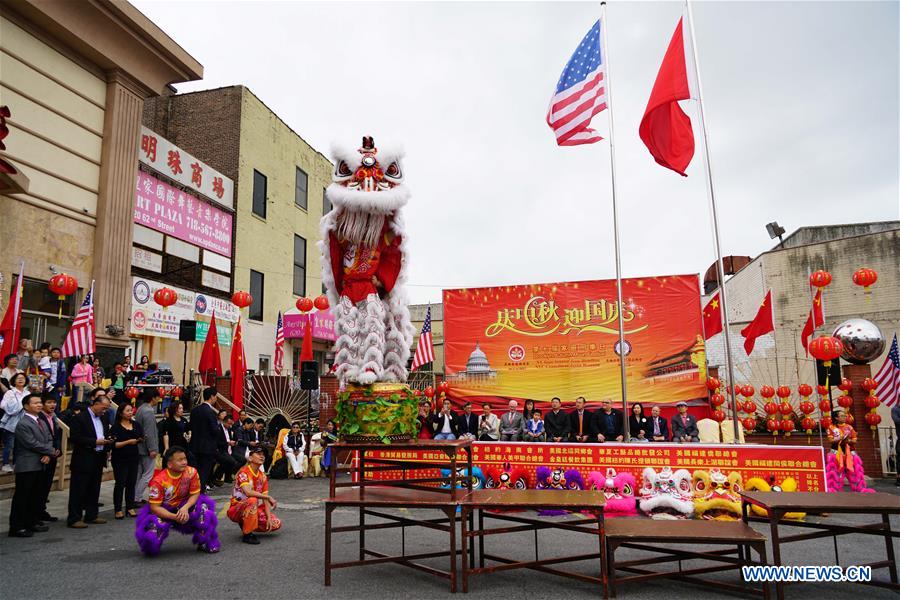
(511, 424)
(659, 429)
(526, 412)
(444, 423)
(426, 423)
(556, 423)
(489, 427)
(467, 423)
(534, 428)
(638, 424)
(315, 455)
(581, 426)
(608, 424)
(684, 426)
(294, 447)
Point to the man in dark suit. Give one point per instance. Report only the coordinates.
(90, 444)
(556, 423)
(48, 415)
(684, 426)
(226, 463)
(659, 429)
(581, 427)
(608, 423)
(444, 423)
(34, 447)
(204, 433)
(467, 423)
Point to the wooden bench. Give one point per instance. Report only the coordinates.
(647, 535)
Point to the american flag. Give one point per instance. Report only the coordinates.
(580, 93)
(81, 336)
(279, 344)
(888, 377)
(424, 349)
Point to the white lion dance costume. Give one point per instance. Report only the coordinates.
(364, 267)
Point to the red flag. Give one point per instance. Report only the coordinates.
(210, 362)
(815, 313)
(712, 317)
(665, 128)
(238, 367)
(761, 324)
(12, 320)
(306, 351)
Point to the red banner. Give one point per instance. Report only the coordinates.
(561, 339)
(806, 464)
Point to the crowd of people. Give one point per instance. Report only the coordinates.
(578, 425)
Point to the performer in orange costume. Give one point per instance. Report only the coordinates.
(251, 505)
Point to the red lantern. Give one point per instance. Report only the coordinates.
(846, 385)
(820, 279)
(131, 393)
(429, 392)
(443, 387)
(747, 391)
(750, 407)
(304, 304)
(773, 426)
(718, 416)
(865, 278)
(321, 302)
(771, 408)
(825, 405)
(805, 390)
(177, 392)
(872, 402)
(807, 407)
(868, 384)
(717, 400)
(808, 424)
(162, 392)
(822, 389)
(767, 391)
(749, 423)
(241, 299)
(712, 384)
(786, 409)
(165, 297)
(873, 419)
(784, 392)
(845, 401)
(417, 392)
(62, 285)
(826, 348)
(787, 426)
(825, 422)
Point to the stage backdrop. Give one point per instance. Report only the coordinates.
(561, 339)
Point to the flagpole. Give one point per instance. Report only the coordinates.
(812, 316)
(615, 206)
(710, 192)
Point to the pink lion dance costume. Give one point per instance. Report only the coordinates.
(843, 462)
(364, 267)
(618, 489)
(172, 492)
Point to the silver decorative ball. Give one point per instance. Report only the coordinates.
(863, 340)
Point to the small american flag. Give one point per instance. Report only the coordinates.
(424, 349)
(81, 336)
(888, 377)
(580, 93)
(279, 344)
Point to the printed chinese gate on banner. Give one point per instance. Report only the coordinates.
(806, 464)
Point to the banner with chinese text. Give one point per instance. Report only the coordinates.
(561, 339)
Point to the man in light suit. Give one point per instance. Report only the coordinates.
(512, 423)
(659, 429)
(149, 448)
(34, 447)
(684, 426)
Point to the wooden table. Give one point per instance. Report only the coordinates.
(777, 504)
(483, 501)
(643, 534)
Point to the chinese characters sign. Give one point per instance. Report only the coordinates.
(561, 339)
(149, 318)
(160, 206)
(806, 464)
(159, 153)
(322, 325)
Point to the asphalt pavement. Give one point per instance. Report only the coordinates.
(103, 561)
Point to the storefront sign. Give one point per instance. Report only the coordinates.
(216, 281)
(144, 259)
(322, 325)
(224, 310)
(170, 160)
(223, 331)
(149, 318)
(160, 206)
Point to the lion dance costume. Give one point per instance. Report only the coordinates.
(172, 492)
(252, 514)
(363, 265)
(843, 462)
(618, 489)
(667, 494)
(717, 497)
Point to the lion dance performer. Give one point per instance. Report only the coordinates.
(251, 505)
(176, 502)
(363, 265)
(843, 461)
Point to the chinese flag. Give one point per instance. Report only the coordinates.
(815, 319)
(238, 367)
(665, 128)
(761, 324)
(210, 363)
(712, 317)
(11, 325)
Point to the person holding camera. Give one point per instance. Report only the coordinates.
(125, 459)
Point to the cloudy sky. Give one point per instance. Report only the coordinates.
(801, 98)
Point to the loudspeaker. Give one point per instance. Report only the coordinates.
(309, 375)
(834, 375)
(187, 331)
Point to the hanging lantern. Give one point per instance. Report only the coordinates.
(873, 419)
(784, 392)
(443, 387)
(749, 423)
(241, 299)
(825, 406)
(807, 407)
(820, 279)
(717, 400)
(750, 407)
(822, 389)
(417, 392)
(845, 401)
(131, 393)
(165, 297)
(177, 392)
(718, 416)
(826, 349)
(304, 304)
(846, 385)
(162, 392)
(747, 391)
(787, 426)
(805, 390)
(786, 409)
(62, 285)
(713, 383)
(771, 408)
(826, 422)
(773, 426)
(865, 277)
(737, 389)
(872, 402)
(767, 391)
(429, 392)
(321, 302)
(868, 384)
(808, 424)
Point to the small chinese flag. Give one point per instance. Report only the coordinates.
(712, 317)
(238, 367)
(210, 362)
(815, 319)
(761, 324)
